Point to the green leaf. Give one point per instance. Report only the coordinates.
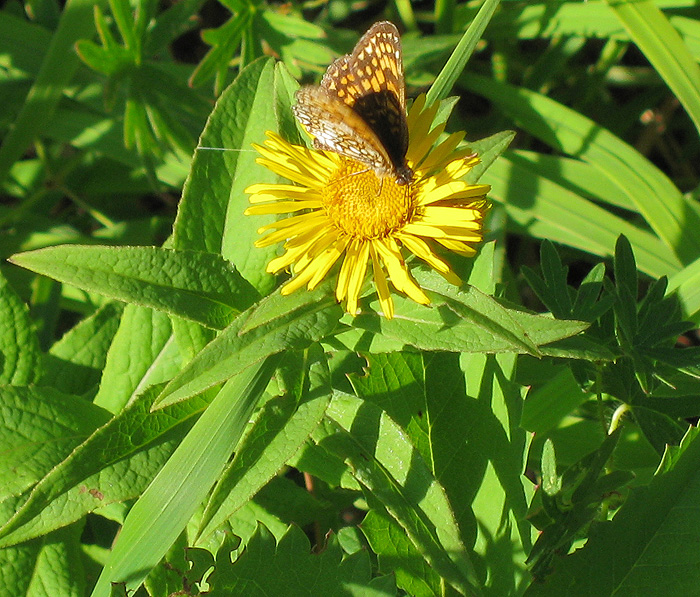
(280, 428)
(20, 357)
(480, 446)
(465, 320)
(623, 556)
(555, 213)
(294, 570)
(551, 482)
(625, 269)
(18, 564)
(589, 305)
(686, 283)
(583, 487)
(50, 567)
(278, 323)
(197, 286)
(547, 405)
(41, 426)
(74, 363)
(101, 60)
(210, 215)
(579, 177)
(662, 45)
(142, 354)
(411, 495)
(164, 509)
(659, 429)
(458, 60)
(57, 69)
(225, 40)
(124, 19)
(552, 288)
(652, 193)
(489, 150)
(398, 555)
(293, 26)
(115, 463)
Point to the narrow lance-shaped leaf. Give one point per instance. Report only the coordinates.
(278, 323)
(201, 287)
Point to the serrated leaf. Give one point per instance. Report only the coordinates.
(465, 321)
(143, 353)
(135, 442)
(40, 428)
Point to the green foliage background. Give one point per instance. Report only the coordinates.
(170, 423)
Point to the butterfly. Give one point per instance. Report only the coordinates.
(359, 109)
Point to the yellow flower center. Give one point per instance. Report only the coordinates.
(365, 206)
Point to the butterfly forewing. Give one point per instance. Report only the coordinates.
(374, 65)
(359, 110)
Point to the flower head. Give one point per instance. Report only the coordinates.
(342, 211)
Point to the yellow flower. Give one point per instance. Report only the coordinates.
(343, 210)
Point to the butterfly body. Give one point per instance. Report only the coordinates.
(359, 109)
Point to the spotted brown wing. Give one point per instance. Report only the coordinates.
(336, 127)
(359, 110)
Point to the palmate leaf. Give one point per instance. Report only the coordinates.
(382, 459)
(463, 441)
(655, 557)
(292, 570)
(552, 288)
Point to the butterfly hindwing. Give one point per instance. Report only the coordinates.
(337, 128)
